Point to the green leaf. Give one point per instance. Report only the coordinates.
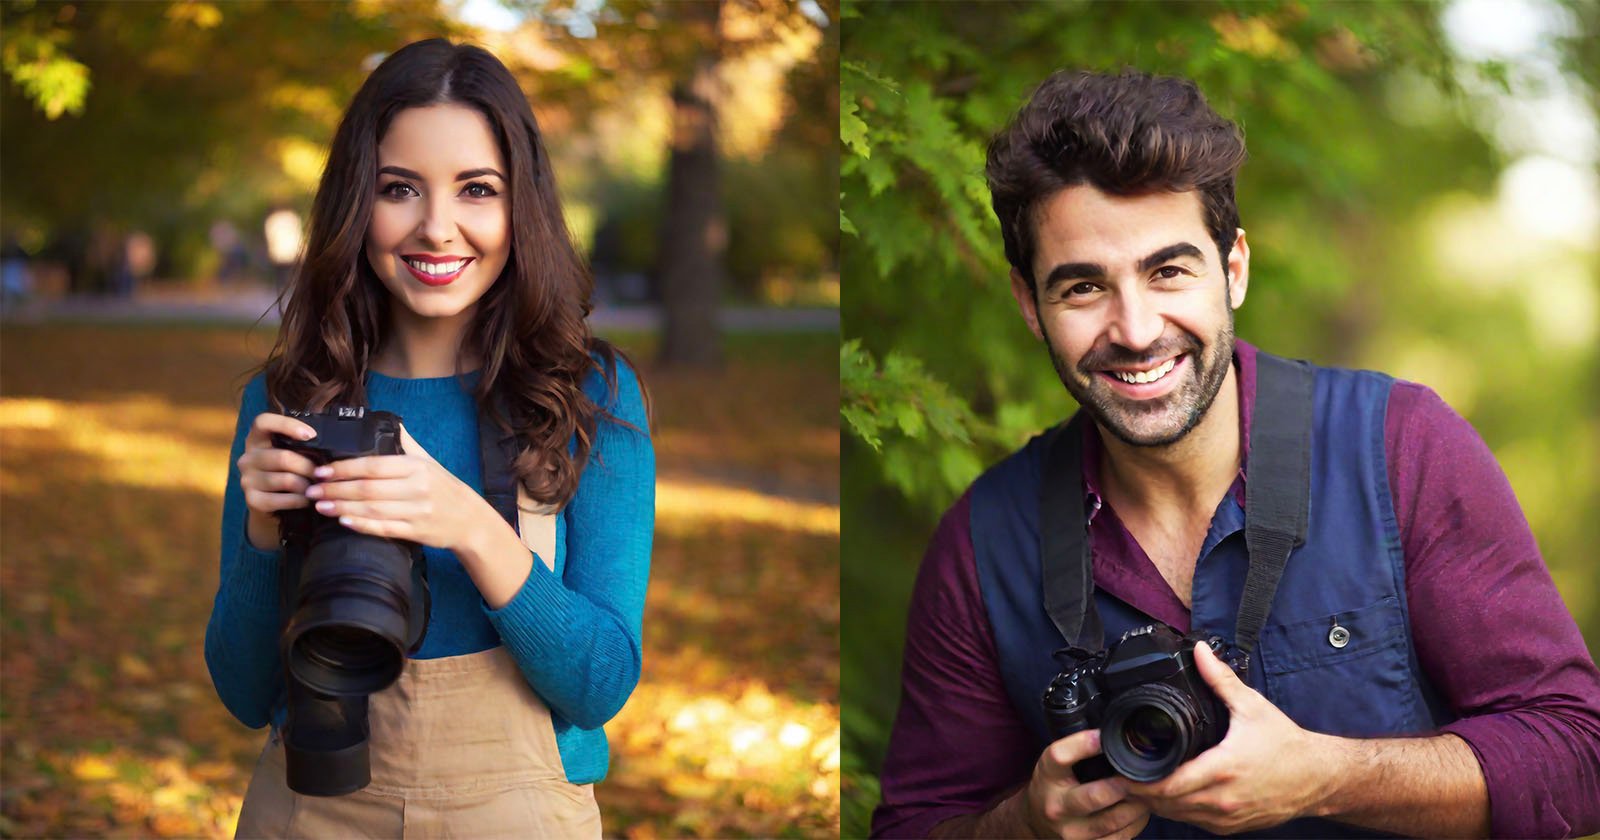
(853, 130)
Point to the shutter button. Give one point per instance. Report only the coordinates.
(1338, 636)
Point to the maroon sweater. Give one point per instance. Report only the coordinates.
(1491, 633)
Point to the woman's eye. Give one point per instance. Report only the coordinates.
(483, 190)
(394, 188)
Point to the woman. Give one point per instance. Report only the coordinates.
(439, 282)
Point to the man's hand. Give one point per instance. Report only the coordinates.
(1058, 806)
(1266, 771)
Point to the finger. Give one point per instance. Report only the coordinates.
(1229, 688)
(372, 466)
(409, 445)
(275, 482)
(370, 510)
(260, 500)
(1131, 830)
(268, 459)
(1055, 763)
(363, 489)
(1116, 818)
(394, 529)
(1196, 774)
(1095, 796)
(266, 423)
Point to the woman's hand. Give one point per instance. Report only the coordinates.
(407, 497)
(272, 479)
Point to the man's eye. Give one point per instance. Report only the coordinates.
(1169, 272)
(483, 190)
(1081, 289)
(394, 188)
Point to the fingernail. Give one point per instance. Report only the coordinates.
(345, 521)
(325, 507)
(322, 472)
(307, 434)
(314, 491)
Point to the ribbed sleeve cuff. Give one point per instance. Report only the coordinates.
(1518, 781)
(537, 618)
(253, 580)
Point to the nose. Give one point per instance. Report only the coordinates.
(438, 225)
(1136, 322)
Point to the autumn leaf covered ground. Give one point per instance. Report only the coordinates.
(113, 455)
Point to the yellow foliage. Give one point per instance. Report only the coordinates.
(302, 160)
(1253, 36)
(197, 14)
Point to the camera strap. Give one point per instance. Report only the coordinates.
(1277, 508)
(497, 451)
(1068, 570)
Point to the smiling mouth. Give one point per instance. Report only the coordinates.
(1145, 377)
(1144, 384)
(436, 274)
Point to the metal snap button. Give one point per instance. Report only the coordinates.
(1338, 636)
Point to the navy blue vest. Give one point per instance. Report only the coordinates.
(1350, 572)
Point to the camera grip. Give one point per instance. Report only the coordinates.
(1066, 716)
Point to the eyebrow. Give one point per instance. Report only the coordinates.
(1084, 270)
(463, 175)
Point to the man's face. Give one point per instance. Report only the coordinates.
(1135, 308)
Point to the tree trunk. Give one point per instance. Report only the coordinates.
(694, 233)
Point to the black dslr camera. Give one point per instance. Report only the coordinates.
(1146, 695)
(353, 606)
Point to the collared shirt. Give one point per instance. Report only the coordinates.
(1489, 626)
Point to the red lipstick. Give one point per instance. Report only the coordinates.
(431, 279)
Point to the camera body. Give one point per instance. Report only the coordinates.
(354, 605)
(1148, 699)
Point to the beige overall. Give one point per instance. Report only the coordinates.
(460, 747)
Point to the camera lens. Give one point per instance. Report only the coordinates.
(350, 627)
(1149, 730)
(361, 657)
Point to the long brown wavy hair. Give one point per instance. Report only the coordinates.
(530, 327)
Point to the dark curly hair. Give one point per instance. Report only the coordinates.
(1125, 134)
(529, 328)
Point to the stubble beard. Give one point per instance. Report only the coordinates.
(1184, 406)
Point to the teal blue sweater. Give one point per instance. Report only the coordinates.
(574, 631)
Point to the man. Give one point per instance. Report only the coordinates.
(1417, 672)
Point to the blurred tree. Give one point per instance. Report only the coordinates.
(694, 233)
(170, 115)
(1360, 123)
(689, 54)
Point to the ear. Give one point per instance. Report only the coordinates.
(1026, 302)
(1238, 270)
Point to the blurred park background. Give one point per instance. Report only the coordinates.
(157, 161)
(1421, 198)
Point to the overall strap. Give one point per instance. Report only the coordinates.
(1066, 567)
(1277, 497)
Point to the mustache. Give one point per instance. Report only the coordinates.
(1115, 355)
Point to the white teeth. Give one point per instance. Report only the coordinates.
(1148, 376)
(436, 268)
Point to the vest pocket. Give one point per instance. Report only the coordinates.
(1344, 673)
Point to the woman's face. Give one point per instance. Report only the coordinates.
(441, 221)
